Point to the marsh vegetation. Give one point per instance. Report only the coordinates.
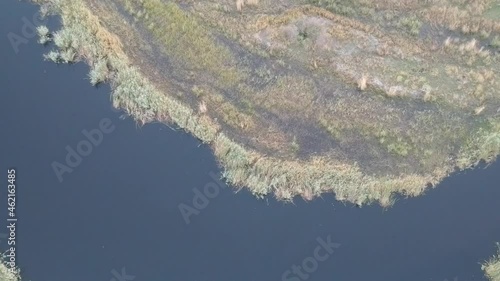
(5, 272)
(360, 98)
(363, 99)
(492, 267)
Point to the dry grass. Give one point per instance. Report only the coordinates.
(492, 267)
(43, 34)
(244, 104)
(403, 111)
(287, 179)
(242, 3)
(363, 82)
(5, 272)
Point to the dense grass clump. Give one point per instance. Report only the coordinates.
(43, 34)
(492, 267)
(342, 7)
(6, 274)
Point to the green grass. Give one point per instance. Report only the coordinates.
(184, 37)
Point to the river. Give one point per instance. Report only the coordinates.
(118, 212)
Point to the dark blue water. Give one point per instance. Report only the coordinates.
(119, 208)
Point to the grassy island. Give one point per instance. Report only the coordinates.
(359, 98)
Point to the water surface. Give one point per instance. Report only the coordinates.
(119, 207)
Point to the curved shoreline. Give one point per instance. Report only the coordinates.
(213, 141)
(6, 273)
(492, 267)
(260, 174)
(83, 37)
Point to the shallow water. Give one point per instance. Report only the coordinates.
(119, 208)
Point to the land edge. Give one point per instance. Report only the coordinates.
(491, 267)
(242, 167)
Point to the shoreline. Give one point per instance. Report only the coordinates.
(286, 178)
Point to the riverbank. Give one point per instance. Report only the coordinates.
(301, 153)
(149, 170)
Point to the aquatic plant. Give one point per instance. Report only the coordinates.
(43, 34)
(53, 56)
(492, 267)
(6, 274)
(68, 55)
(356, 107)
